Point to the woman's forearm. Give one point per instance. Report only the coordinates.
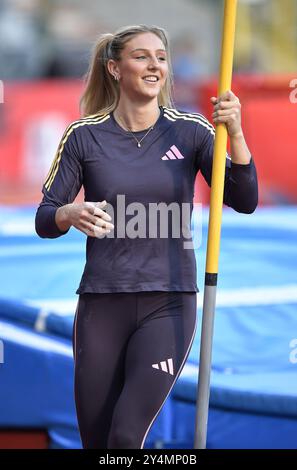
(62, 218)
(239, 149)
(49, 224)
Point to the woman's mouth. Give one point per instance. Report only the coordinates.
(150, 79)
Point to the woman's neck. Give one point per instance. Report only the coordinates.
(135, 116)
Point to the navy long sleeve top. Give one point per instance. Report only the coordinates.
(98, 154)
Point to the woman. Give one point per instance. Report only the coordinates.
(136, 315)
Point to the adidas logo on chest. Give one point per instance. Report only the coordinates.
(173, 154)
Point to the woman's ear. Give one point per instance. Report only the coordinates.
(113, 68)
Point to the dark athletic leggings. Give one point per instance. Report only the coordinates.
(129, 348)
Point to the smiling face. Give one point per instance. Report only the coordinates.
(143, 67)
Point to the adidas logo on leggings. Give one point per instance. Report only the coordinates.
(166, 366)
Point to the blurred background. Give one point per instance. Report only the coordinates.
(44, 52)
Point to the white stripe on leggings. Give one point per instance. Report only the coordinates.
(74, 336)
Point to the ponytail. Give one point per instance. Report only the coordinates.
(101, 92)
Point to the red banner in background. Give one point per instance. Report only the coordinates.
(34, 116)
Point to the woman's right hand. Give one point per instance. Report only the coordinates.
(88, 217)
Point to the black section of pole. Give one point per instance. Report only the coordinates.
(211, 279)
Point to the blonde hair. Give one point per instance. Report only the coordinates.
(101, 94)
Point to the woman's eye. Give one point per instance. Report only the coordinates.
(143, 57)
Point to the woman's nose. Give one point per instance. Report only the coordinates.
(153, 63)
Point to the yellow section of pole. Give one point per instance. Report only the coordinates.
(220, 144)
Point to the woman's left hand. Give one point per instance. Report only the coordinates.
(227, 110)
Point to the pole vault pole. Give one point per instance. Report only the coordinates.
(214, 231)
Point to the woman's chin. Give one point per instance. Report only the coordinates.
(141, 96)
(151, 93)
